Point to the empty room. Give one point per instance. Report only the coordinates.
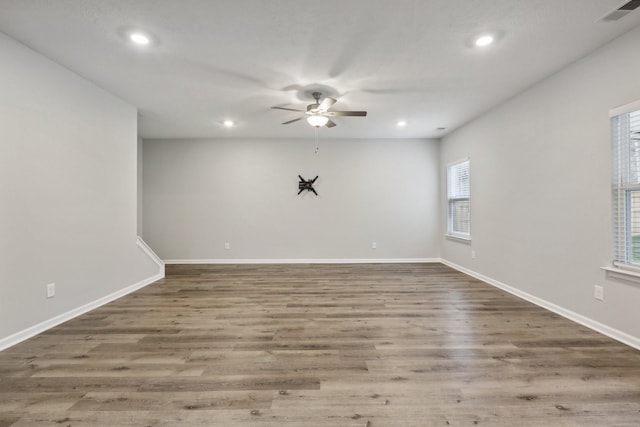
(356, 213)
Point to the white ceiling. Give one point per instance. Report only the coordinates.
(400, 59)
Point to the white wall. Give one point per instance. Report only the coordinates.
(140, 187)
(540, 179)
(67, 192)
(199, 194)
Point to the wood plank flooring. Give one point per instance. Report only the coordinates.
(319, 345)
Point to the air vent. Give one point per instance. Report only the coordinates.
(621, 11)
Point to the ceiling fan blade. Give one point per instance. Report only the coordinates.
(346, 113)
(326, 104)
(330, 124)
(287, 109)
(294, 120)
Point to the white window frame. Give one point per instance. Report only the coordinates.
(458, 192)
(624, 183)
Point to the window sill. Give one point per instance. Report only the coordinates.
(463, 239)
(623, 274)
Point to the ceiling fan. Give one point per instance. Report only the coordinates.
(318, 114)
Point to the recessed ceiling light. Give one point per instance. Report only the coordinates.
(402, 123)
(484, 40)
(228, 123)
(139, 38)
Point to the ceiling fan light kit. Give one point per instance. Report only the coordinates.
(317, 120)
(318, 114)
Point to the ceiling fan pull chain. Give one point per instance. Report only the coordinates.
(317, 145)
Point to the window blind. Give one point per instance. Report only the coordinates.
(625, 138)
(458, 195)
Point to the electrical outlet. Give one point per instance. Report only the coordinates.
(374, 245)
(598, 293)
(51, 290)
(227, 245)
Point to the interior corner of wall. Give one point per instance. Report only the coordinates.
(146, 249)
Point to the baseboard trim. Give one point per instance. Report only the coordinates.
(151, 254)
(25, 334)
(613, 333)
(305, 261)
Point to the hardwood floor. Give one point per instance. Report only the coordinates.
(319, 345)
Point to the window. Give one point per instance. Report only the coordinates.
(625, 138)
(458, 193)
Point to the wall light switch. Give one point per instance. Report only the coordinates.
(51, 290)
(473, 254)
(374, 245)
(227, 245)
